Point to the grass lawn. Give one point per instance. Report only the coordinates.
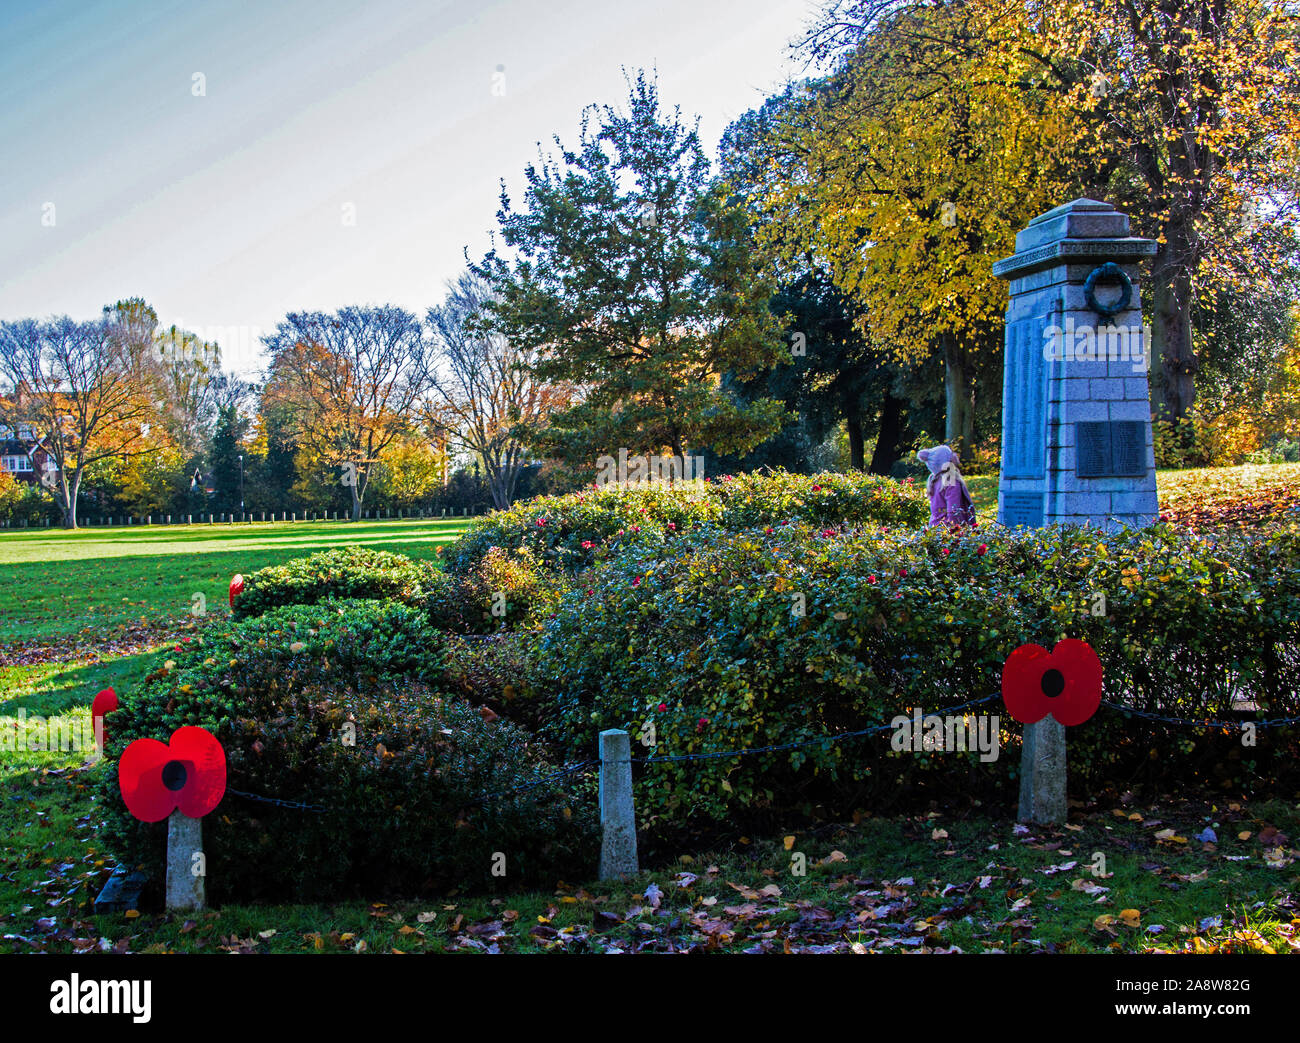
(55, 583)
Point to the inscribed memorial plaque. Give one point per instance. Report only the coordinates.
(1024, 423)
(1110, 448)
(1022, 509)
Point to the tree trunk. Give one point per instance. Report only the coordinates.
(68, 496)
(356, 500)
(1173, 365)
(891, 427)
(959, 395)
(853, 421)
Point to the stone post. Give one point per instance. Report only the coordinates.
(617, 816)
(1042, 773)
(184, 841)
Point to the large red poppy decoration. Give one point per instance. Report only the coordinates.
(1065, 682)
(105, 703)
(236, 588)
(188, 773)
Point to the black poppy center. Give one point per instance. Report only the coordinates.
(1052, 684)
(173, 775)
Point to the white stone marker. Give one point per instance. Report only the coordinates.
(184, 841)
(617, 817)
(1042, 773)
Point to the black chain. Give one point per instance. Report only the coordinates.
(298, 805)
(1188, 722)
(823, 740)
(563, 772)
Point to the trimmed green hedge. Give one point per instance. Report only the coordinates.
(707, 644)
(571, 532)
(348, 572)
(406, 807)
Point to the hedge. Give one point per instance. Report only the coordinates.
(409, 806)
(348, 572)
(571, 532)
(706, 644)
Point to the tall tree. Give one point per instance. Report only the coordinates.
(78, 393)
(633, 279)
(907, 171)
(483, 392)
(1185, 112)
(350, 382)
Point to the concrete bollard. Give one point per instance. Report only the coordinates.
(184, 871)
(617, 815)
(1042, 773)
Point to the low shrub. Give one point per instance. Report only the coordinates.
(348, 572)
(503, 590)
(344, 640)
(492, 670)
(569, 533)
(316, 711)
(740, 641)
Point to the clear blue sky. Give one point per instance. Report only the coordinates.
(225, 211)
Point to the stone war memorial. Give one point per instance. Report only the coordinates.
(1076, 411)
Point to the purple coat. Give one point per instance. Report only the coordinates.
(951, 504)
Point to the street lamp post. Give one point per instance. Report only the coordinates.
(241, 486)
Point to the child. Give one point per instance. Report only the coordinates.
(950, 502)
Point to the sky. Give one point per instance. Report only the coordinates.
(233, 162)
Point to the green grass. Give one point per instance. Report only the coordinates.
(55, 583)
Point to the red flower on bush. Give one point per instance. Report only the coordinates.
(946, 552)
(871, 579)
(982, 549)
(902, 572)
(541, 521)
(1065, 682)
(187, 773)
(699, 725)
(236, 588)
(672, 525)
(636, 582)
(663, 707)
(587, 545)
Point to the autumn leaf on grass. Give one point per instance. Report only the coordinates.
(1168, 836)
(1130, 918)
(654, 896)
(429, 917)
(1105, 923)
(745, 892)
(938, 834)
(788, 842)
